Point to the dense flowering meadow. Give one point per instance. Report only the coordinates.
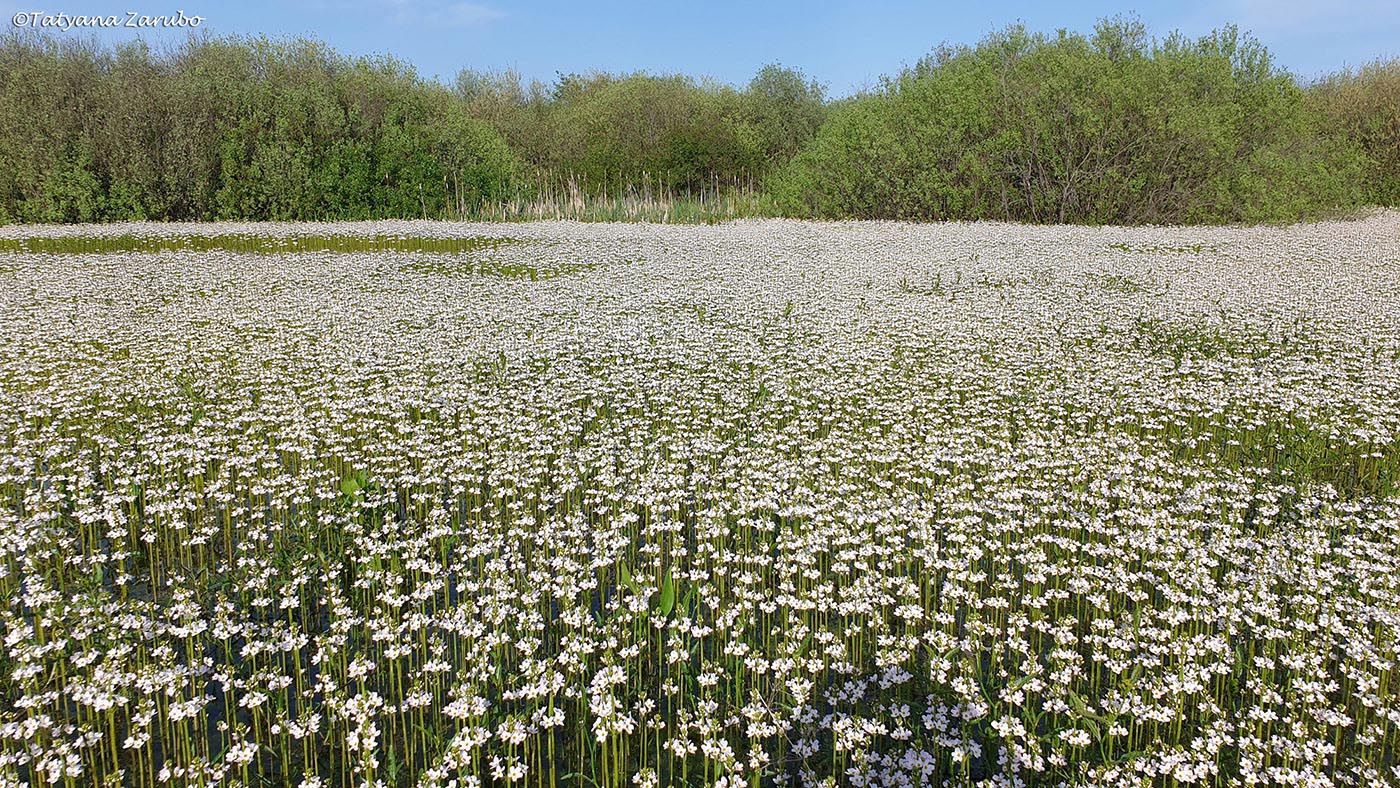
(761, 504)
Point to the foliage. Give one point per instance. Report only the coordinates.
(234, 128)
(609, 133)
(1365, 106)
(1108, 128)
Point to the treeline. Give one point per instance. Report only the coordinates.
(1109, 127)
(612, 132)
(225, 129)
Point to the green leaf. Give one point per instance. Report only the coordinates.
(349, 486)
(625, 576)
(668, 596)
(1129, 756)
(1094, 729)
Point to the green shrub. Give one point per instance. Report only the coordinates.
(610, 133)
(1365, 106)
(1111, 128)
(234, 129)
(615, 131)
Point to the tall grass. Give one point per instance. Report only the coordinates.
(552, 195)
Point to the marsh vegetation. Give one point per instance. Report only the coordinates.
(770, 503)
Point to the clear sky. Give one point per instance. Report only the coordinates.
(846, 45)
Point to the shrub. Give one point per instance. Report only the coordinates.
(234, 128)
(1365, 106)
(1111, 128)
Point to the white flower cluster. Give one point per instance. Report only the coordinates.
(772, 503)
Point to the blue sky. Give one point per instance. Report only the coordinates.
(846, 45)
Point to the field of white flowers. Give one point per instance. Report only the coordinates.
(759, 504)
